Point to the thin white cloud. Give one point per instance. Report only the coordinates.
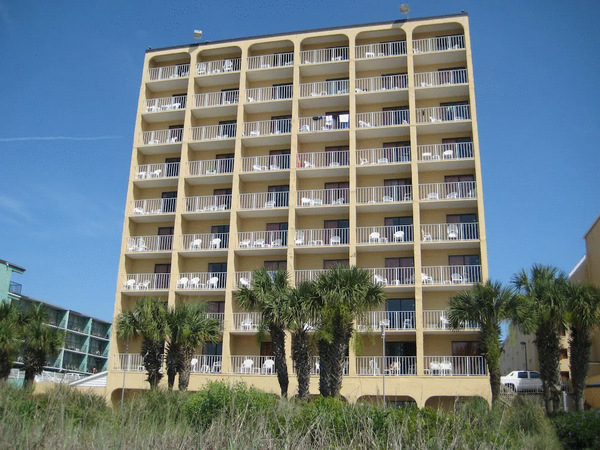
(59, 138)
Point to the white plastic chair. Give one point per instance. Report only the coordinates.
(196, 244)
(244, 282)
(270, 204)
(374, 237)
(213, 283)
(247, 366)
(194, 364)
(452, 231)
(399, 236)
(215, 243)
(335, 240)
(260, 243)
(299, 236)
(277, 243)
(227, 65)
(194, 283)
(268, 366)
(130, 284)
(182, 283)
(378, 279)
(456, 278)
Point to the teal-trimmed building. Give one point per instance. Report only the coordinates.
(6, 285)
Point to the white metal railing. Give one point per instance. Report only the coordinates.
(270, 93)
(201, 280)
(162, 136)
(272, 60)
(154, 206)
(166, 103)
(441, 77)
(324, 123)
(265, 162)
(146, 281)
(210, 166)
(451, 274)
(387, 155)
(449, 190)
(166, 72)
(438, 320)
(393, 365)
(315, 367)
(218, 316)
(393, 276)
(262, 200)
(324, 159)
(308, 275)
(384, 194)
(203, 203)
(133, 362)
(243, 279)
(210, 132)
(247, 321)
(206, 364)
(204, 241)
(449, 232)
(162, 170)
(433, 152)
(219, 66)
(221, 98)
(455, 365)
(382, 83)
(392, 320)
(324, 55)
(253, 365)
(262, 239)
(149, 243)
(436, 114)
(268, 127)
(380, 49)
(321, 197)
(323, 88)
(327, 236)
(439, 43)
(384, 234)
(382, 118)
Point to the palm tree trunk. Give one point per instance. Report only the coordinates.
(278, 340)
(301, 356)
(548, 345)
(5, 365)
(491, 349)
(186, 369)
(341, 339)
(153, 359)
(171, 372)
(580, 346)
(325, 368)
(29, 377)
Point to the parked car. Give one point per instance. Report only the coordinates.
(523, 381)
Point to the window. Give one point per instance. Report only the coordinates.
(222, 197)
(465, 348)
(215, 307)
(281, 124)
(336, 228)
(276, 233)
(331, 263)
(466, 268)
(400, 270)
(217, 270)
(534, 375)
(394, 81)
(175, 133)
(162, 282)
(333, 120)
(453, 75)
(396, 152)
(212, 349)
(276, 160)
(396, 305)
(224, 163)
(336, 54)
(564, 353)
(172, 167)
(276, 265)
(400, 349)
(395, 188)
(227, 128)
(403, 224)
(266, 349)
(229, 96)
(459, 186)
(220, 232)
(168, 202)
(522, 375)
(337, 86)
(456, 111)
(336, 192)
(337, 156)
(165, 238)
(181, 100)
(281, 91)
(279, 194)
(396, 115)
(466, 223)
(461, 147)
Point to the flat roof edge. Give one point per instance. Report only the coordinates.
(13, 266)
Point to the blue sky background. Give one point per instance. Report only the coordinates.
(70, 75)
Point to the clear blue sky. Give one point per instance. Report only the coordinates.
(70, 75)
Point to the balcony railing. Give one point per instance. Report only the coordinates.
(247, 321)
(324, 159)
(435, 152)
(220, 66)
(262, 239)
(441, 78)
(393, 365)
(449, 232)
(264, 200)
(163, 170)
(243, 279)
(139, 244)
(268, 94)
(205, 203)
(265, 162)
(268, 127)
(253, 365)
(133, 362)
(154, 206)
(211, 166)
(201, 280)
(15, 288)
(221, 98)
(167, 72)
(204, 241)
(388, 155)
(438, 320)
(155, 137)
(439, 44)
(394, 276)
(382, 118)
(166, 103)
(328, 236)
(380, 50)
(436, 114)
(384, 234)
(324, 123)
(455, 365)
(324, 55)
(308, 275)
(382, 83)
(392, 320)
(211, 132)
(384, 194)
(448, 191)
(268, 61)
(206, 364)
(323, 197)
(315, 367)
(146, 281)
(218, 316)
(324, 88)
(451, 274)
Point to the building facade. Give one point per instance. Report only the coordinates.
(355, 145)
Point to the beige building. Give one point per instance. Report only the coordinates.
(302, 150)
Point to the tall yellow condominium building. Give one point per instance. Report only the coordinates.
(354, 145)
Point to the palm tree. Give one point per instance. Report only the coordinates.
(542, 292)
(147, 319)
(268, 294)
(487, 305)
(189, 328)
(584, 316)
(9, 346)
(344, 293)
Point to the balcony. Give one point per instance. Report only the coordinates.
(253, 365)
(272, 61)
(261, 204)
(394, 276)
(383, 123)
(449, 277)
(147, 245)
(212, 132)
(310, 200)
(267, 132)
(218, 316)
(217, 206)
(206, 364)
(130, 362)
(438, 320)
(147, 210)
(325, 238)
(246, 321)
(308, 275)
(449, 83)
(15, 288)
(324, 55)
(168, 77)
(212, 104)
(162, 141)
(457, 155)
(449, 366)
(383, 160)
(262, 242)
(141, 283)
(325, 93)
(446, 235)
(439, 44)
(461, 193)
(393, 365)
(333, 163)
(380, 198)
(444, 119)
(393, 236)
(170, 108)
(266, 167)
(382, 89)
(224, 67)
(315, 368)
(269, 94)
(243, 279)
(323, 128)
(380, 50)
(393, 320)
(157, 175)
(200, 243)
(210, 171)
(201, 281)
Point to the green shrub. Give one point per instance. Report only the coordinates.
(578, 429)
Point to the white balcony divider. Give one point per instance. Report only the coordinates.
(380, 49)
(438, 44)
(451, 274)
(324, 159)
(203, 203)
(393, 320)
(448, 191)
(438, 320)
(264, 200)
(131, 362)
(384, 194)
(253, 365)
(392, 365)
(382, 83)
(211, 166)
(388, 155)
(323, 55)
(449, 366)
(247, 321)
(323, 88)
(162, 136)
(315, 368)
(308, 275)
(327, 236)
(265, 162)
(221, 98)
(268, 61)
(140, 244)
(436, 114)
(441, 77)
(433, 152)
(210, 132)
(323, 197)
(204, 241)
(146, 281)
(384, 234)
(270, 93)
(393, 276)
(166, 103)
(262, 239)
(449, 232)
(219, 66)
(382, 118)
(243, 279)
(206, 363)
(324, 123)
(163, 170)
(167, 72)
(268, 127)
(154, 206)
(201, 280)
